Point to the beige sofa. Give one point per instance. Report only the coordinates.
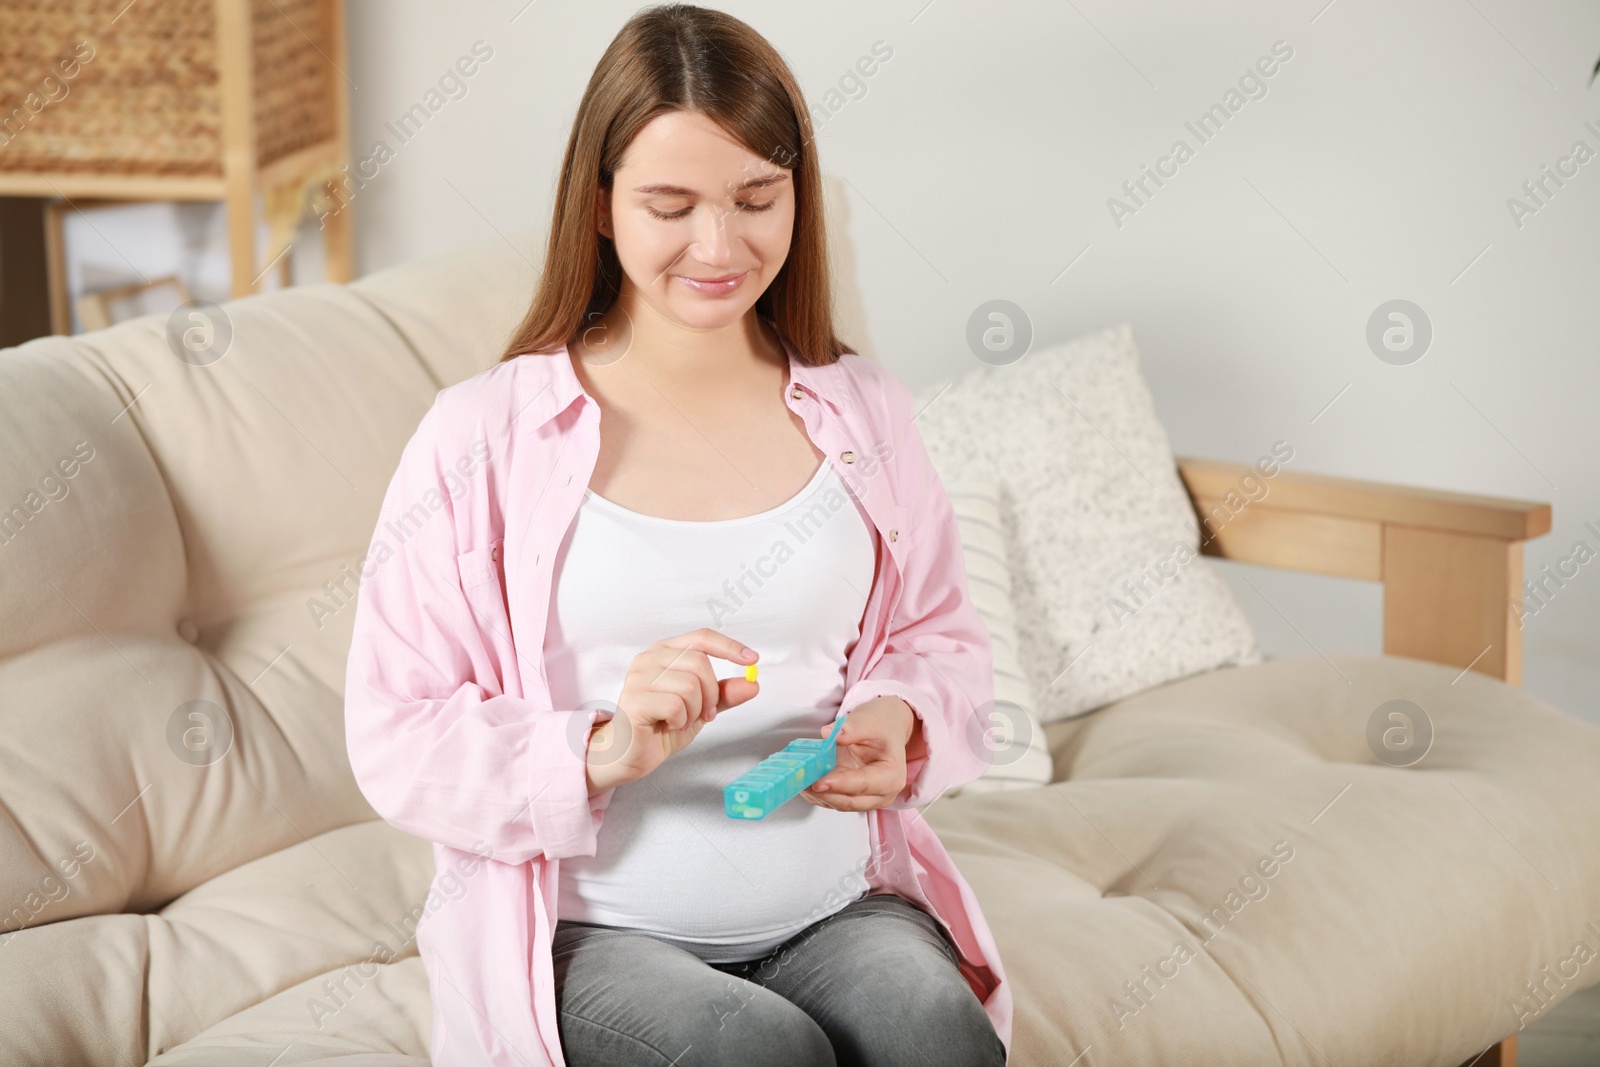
(1227, 876)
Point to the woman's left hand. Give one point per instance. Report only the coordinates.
(871, 769)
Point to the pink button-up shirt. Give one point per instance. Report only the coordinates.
(449, 724)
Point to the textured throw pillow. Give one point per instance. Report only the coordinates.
(1111, 593)
(1015, 738)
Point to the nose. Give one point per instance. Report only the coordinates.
(711, 235)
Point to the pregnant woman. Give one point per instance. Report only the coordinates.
(677, 472)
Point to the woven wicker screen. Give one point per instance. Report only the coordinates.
(148, 98)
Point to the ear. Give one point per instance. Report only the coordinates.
(602, 210)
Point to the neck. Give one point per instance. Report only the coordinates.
(664, 349)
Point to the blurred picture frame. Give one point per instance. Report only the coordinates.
(107, 307)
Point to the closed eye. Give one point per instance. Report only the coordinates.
(681, 212)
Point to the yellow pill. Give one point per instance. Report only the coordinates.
(750, 673)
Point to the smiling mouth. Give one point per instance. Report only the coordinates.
(714, 286)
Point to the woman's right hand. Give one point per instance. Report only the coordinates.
(669, 694)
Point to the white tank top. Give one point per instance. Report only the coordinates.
(790, 582)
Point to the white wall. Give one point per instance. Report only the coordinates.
(978, 165)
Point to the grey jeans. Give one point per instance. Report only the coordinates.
(874, 984)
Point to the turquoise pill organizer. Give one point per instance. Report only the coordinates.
(781, 777)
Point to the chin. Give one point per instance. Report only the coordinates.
(706, 314)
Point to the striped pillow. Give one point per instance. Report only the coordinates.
(1016, 738)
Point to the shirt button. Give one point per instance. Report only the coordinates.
(494, 553)
(848, 457)
(797, 394)
(894, 535)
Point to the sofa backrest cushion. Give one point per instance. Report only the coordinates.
(180, 547)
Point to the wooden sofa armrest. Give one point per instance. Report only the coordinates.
(1450, 563)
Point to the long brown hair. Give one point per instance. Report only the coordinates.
(677, 57)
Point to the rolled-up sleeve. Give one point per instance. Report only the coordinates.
(938, 657)
(436, 747)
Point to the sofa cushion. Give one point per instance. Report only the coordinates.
(176, 598)
(1112, 595)
(382, 1018)
(1226, 872)
(120, 988)
(1403, 910)
(207, 547)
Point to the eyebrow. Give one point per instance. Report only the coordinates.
(667, 189)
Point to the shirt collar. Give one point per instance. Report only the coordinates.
(824, 382)
(554, 392)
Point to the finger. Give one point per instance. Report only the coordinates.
(658, 706)
(846, 802)
(713, 643)
(860, 734)
(687, 686)
(665, 660)
(873, 778)
(698, 644)
(733, 692)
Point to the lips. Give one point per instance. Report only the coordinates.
(714, 286)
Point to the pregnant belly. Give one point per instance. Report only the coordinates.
(669, 861)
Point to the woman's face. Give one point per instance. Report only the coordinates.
(690, 204)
